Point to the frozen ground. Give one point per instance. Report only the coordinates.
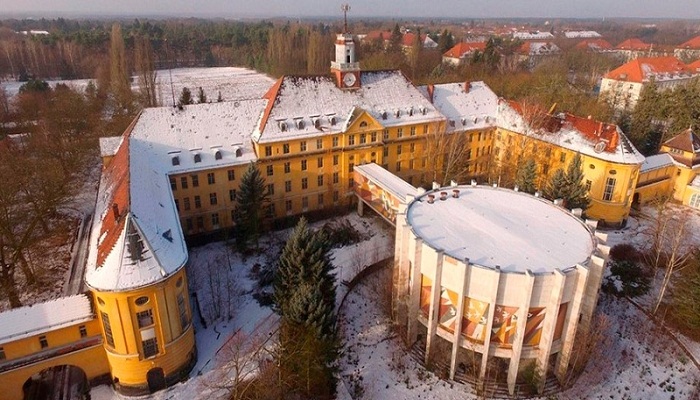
(234, 83)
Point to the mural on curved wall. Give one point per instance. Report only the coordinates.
(474, 319)
(533, 327)
(448, 309)
(561, 316)
(426, 285)
(504, 326)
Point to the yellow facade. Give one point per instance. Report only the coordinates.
(79, 345)
(146, 329)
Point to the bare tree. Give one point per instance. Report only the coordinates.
(146, 72)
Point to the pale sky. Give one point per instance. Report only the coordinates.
(359, 8)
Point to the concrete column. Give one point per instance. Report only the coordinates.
(401, 266)
(360, 206)
(399, 287)
(523, 311)
(590, 298)
(414, 294)
(457, 337)
(549, 325)
(571, 324)
(433, 316)
(489, 324)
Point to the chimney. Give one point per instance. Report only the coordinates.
(467, 86)
(115, 211)
(431, 92)
(455, 193)
(431, 198)
(436, 186)
(443, 196)
(473, 182)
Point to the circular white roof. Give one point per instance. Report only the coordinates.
(499, 227)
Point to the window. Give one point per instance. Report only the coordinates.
(285, 148)
(351, 183)
(304, 183)
(215, 219)
(186, 202)
(188, 224)
(336, 177)
(412, 147)
(363, 138)
(217, 155)
(385, 134)
(270, 170)
(288, 186)
(336, 158)
(182, 307)
(562, 157)
(694, 200)
(2, 354)
(197, 158)
(609, 189)
(200, 222)
(373, 137)
(319, 162)
(143, 300)
(303, 165)
(83, 331)
(319, 144)
(232, 194)
(351, 140)
(335, 141)
(197, 202)
(195, 180)
(351, 167)
(212, 199)
(288, 205)
(398, 150)
(183, 182)
(302, 146)
(270, 189)
(413, 131)
(268, 151)
(304, 202)
(336, 196)
(425, 128)
(173, 183)
(287, 167)
(231, 175)
(145, 318)
(176, 160)
(320, 199)
(210, 178)
(43, 342)
(385, 152)
(410, 164)
(107, 328)
(588, 185)
(150, 347)
(398, 166)
(399, 132)
(319, 180)
(271, 210)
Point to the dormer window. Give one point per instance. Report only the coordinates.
(452, 123)
(363, 124)
(317, 122)
(300, 124)
(283, 126)
(410, 112)
(176, 160)
(397, 113)
(332, 120)
(217, 155)
(197, 158)
(464, 122)
(424, 110)
(239, 152)
(384, 115)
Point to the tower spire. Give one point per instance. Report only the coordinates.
(345, 8)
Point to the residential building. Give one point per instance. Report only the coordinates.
(462, 52)
(634, 48)
(533, 52)
(594, 45)
(689, 50)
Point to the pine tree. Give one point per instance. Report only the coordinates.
(445, 42)
(185, 97)
(576, 194)
(252, 196)
(304, 295)
(201, 97)
(556, 186)
(686, 297)
(526, 176)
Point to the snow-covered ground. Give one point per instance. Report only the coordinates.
(234, 83)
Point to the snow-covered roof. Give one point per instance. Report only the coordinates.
(388, 181)
(40, 318)
(465, 108)
(296, 103)
(499, 227)
(582, 34)
(532, 35)
(109, 145)
(539, 48)
(589, 137)
(656, 161)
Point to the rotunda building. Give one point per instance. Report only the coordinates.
(483, 272)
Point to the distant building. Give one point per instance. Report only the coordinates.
(533, 35)
(462, 52)
(689, 50)
(622, 86)
(581, 34)
(533, 52)
(634, 48)
(594, 45)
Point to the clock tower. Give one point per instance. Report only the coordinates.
(345, 68)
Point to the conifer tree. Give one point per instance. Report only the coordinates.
(201, 97)
(556, 186)
(304, 294)
(526, 176)
(185, 97)
(250, 200)
(576, 194)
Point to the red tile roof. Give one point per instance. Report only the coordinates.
(643, 68)
(633, 44)
(376, 35)
(594, 44)
(463, 48)
(694, 66)
(693, 44)
(595, 131)
(686, 141)
(271, 96)
(408, 39)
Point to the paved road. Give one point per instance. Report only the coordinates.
(76, 283)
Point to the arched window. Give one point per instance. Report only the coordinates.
(197, 158)
(217, 155)
(176, 160)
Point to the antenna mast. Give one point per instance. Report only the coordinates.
(345, 8)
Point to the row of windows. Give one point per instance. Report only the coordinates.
(211, 179)
(213, 200)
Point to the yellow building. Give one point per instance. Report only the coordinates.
(34, 339)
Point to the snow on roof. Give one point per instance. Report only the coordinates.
(696, 181)
(539, 48)
(532, 35)
(473, 109)
(656, 161)
(109, 145)
(36, 319)
(299, 104)
(644, 68)
(388, 181)
(589, 137)
(581, 34)
(499, 227)
(594, 44)
(461, 49)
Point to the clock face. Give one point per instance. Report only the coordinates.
(349, 79)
